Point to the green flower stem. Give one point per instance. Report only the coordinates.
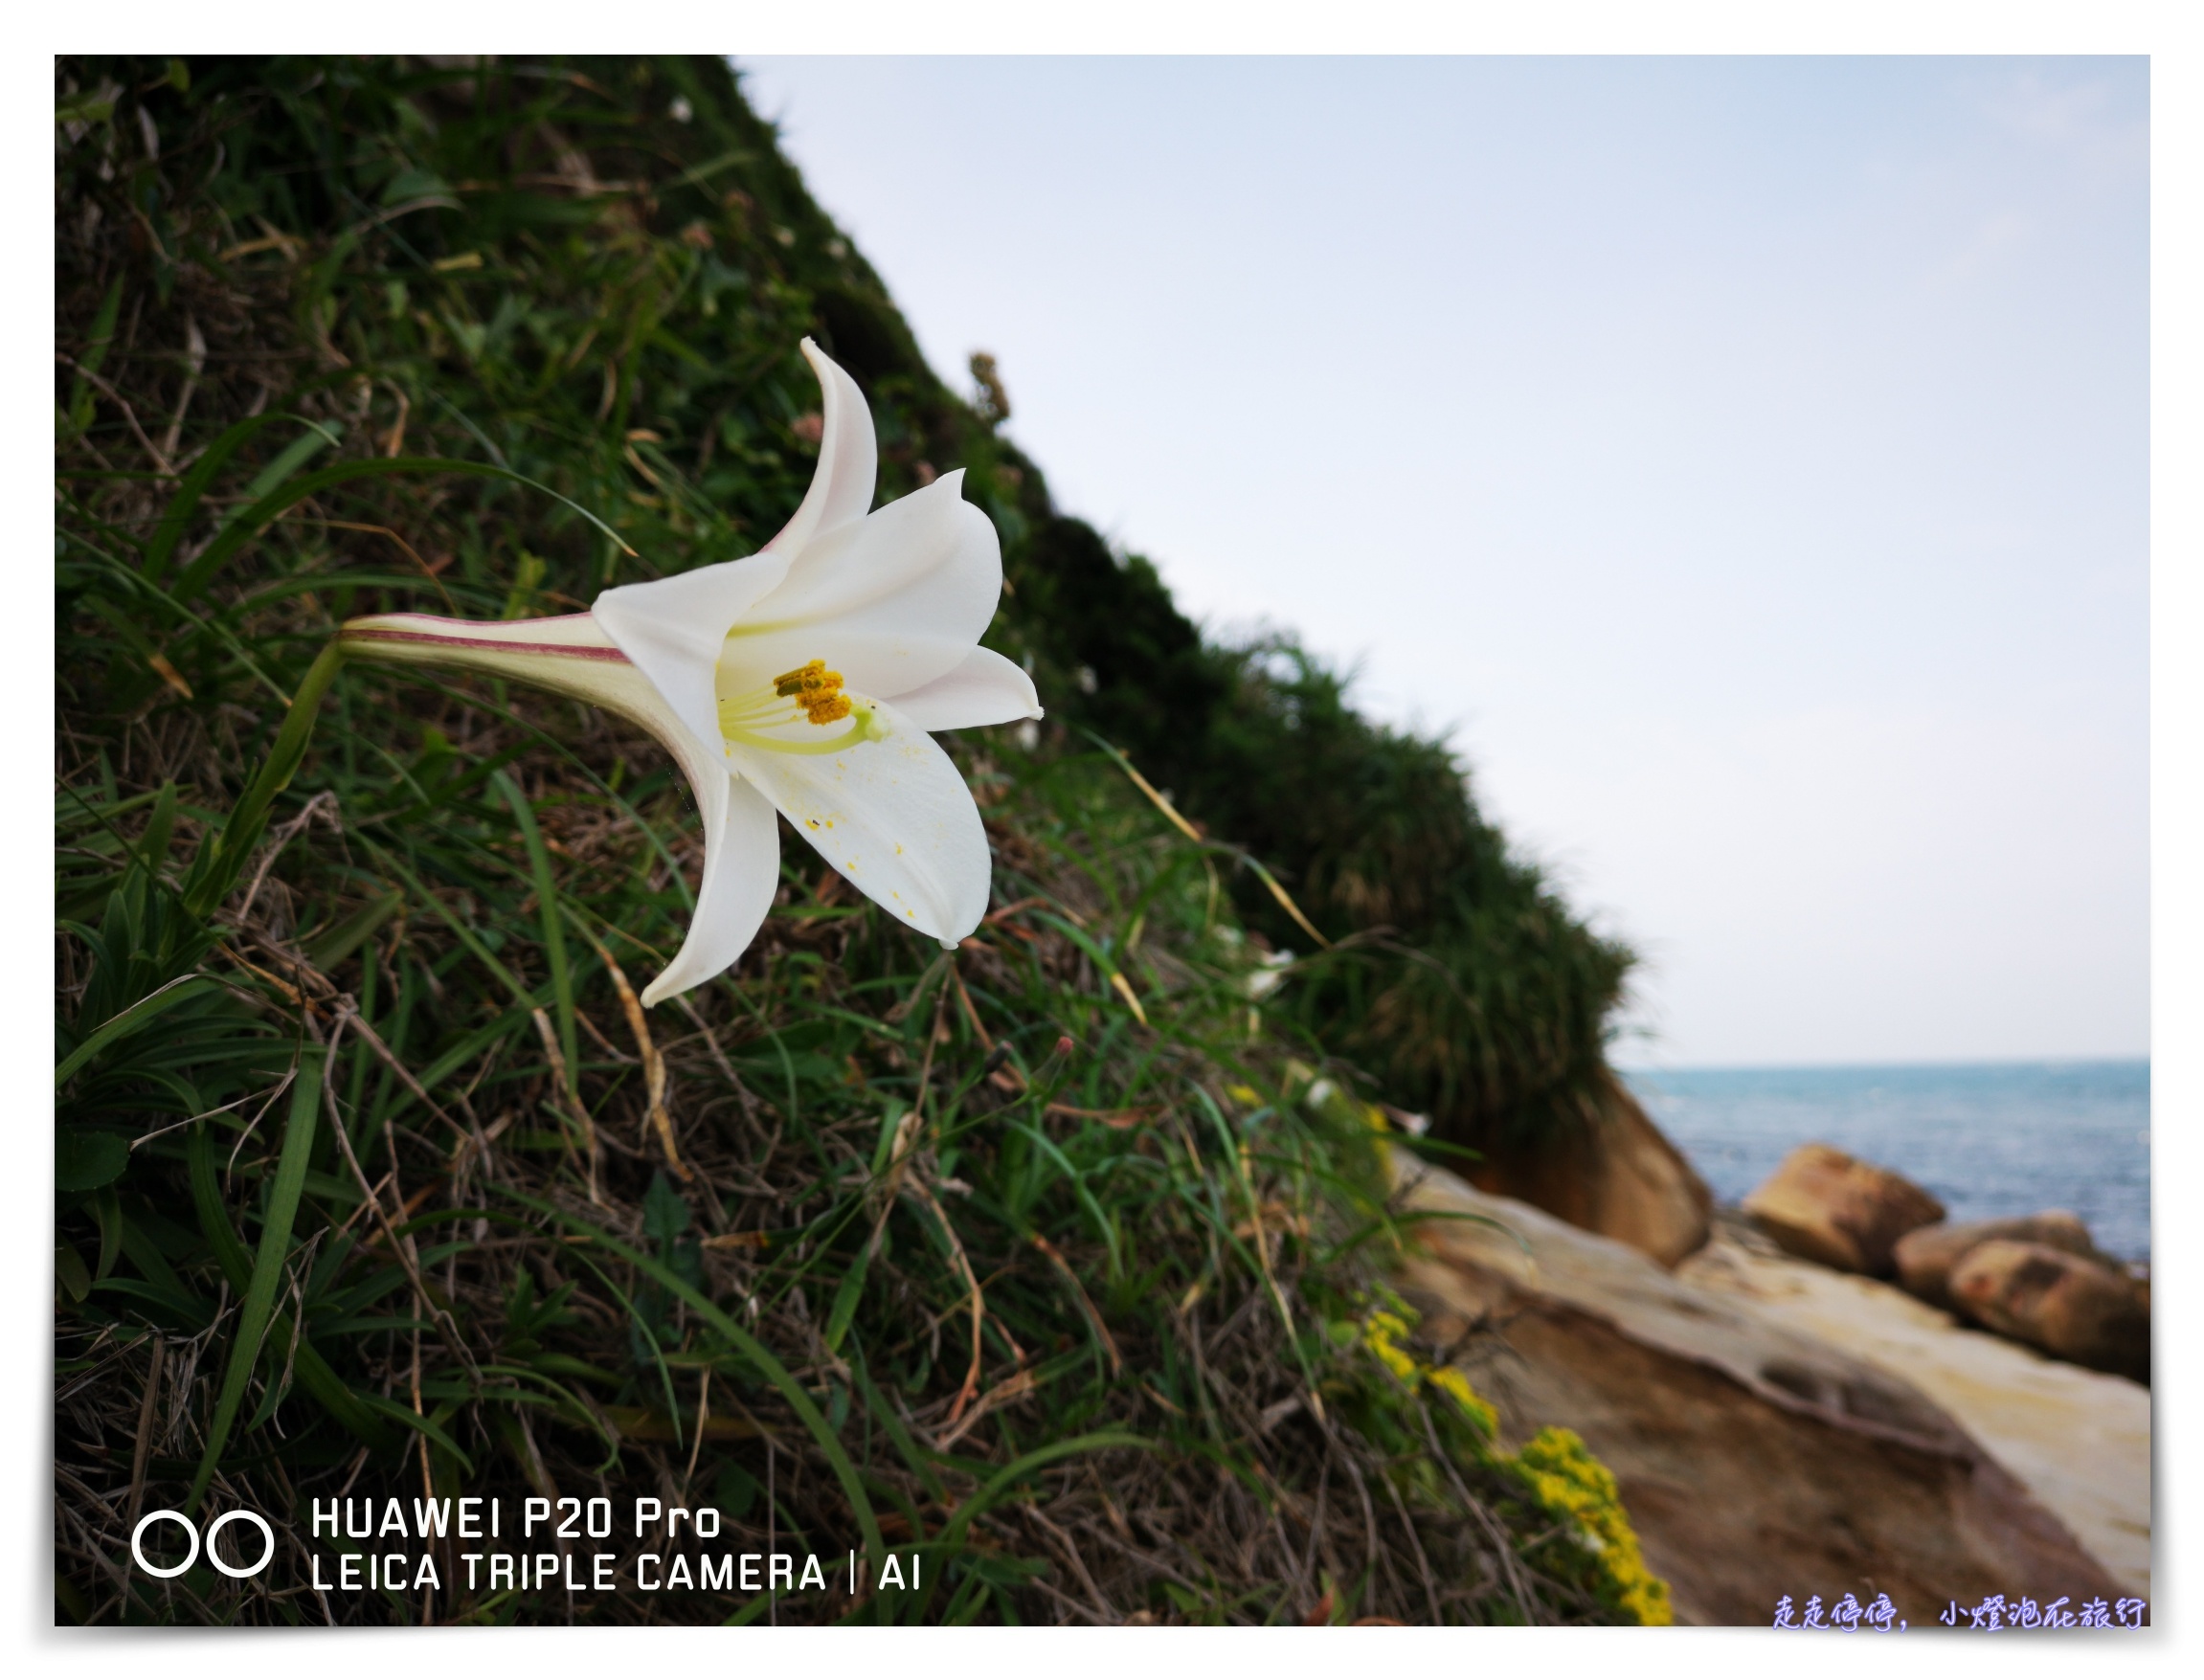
(222, 858)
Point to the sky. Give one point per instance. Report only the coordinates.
(1743, 463)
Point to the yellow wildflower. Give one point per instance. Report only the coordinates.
(1451, 1381)
(1570, 1483)
(1382, 1333)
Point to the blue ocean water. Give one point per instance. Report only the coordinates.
(1987, 1140)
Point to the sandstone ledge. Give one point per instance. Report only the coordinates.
(2078, 1438)
(1756, 1460)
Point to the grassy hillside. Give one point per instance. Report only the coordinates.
(1460, 981)
(1037, 1260)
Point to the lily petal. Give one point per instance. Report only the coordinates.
(848, 461)
(574, 656)
(674, 627)
(986, 688)
(891, 603)
(893, 815)
(741, 871)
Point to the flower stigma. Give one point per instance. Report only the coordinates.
(810, 694)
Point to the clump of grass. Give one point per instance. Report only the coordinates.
(372, 1179)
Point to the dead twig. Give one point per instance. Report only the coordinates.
(653, 1063)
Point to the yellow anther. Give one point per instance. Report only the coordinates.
(806, 679)
(815, 689)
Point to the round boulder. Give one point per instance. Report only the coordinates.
(2071, 1306)
(1925, 1257)
(1618, 1176)
(1824, 1205)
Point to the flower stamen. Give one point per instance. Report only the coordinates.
(817, 689)
(754, 719)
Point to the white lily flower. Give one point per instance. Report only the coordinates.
(805, 680)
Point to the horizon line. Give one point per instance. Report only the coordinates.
(1879, 1066)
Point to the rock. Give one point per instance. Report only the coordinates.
(1925, 1256)
(2078, 1440)
(2068, 1305)
(1618, 1176)
(1755, 1462)
(1821, 1204)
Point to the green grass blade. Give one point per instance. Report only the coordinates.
(553, 924)
(135, 1018)
(750, 1349)
(80, 413)
(845, 1299)
(332, 947)
(412, 1420)
(282, 469)
(1078, 1182)
(259, 1302)
(465, 935)
(222, 855)
(185, 501)
(314, 1373)
(214, 1220)
(953, 1535)
(256, 517)
(898, 1436)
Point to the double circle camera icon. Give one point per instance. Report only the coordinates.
(190, 1529)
